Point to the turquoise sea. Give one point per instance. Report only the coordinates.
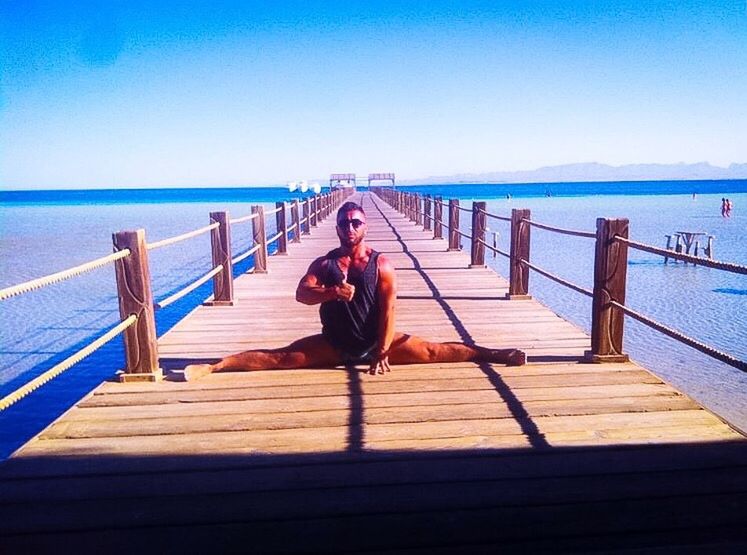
(47, 231)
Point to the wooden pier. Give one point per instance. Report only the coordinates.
(559, 455)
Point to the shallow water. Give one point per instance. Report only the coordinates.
(39, 239)
(706, 304)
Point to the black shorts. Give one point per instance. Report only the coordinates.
(366, 357)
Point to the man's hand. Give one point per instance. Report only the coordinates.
(380, 365)
(345, 291)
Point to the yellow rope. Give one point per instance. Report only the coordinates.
(244, 218)
(182, 237)
(37, 283)
(246, 255)
(189, 288)
(58, 369)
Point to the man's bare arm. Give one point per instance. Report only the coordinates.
(387, 290)
(310, 289)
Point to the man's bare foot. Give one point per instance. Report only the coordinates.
(516, 358)
(196, 371)
(509, 357)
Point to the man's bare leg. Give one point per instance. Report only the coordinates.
(308, 352)
(408, 349)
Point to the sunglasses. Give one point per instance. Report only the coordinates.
(343, 224)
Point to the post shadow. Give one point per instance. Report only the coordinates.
(519, 413)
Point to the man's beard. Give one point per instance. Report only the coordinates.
(347, 242)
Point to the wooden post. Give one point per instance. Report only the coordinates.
(610, 272)
(295, 222)
(220, 240)
(438, 218)
(454, 237)
(518, 287)
(478, 235)
(709, 247)
(314, 206)
(136, 297)
(282, 226)
(669, 247)
(427, 209)
(260, 238)
(418, 209)
(306, 223)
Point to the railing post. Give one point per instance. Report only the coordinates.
(281, 225)
(518, 287)
(454, 237)
(295, 222)
(220, 240)
(610, 274)
(306, 216)
(260, 238)
(418, 209)
(478, 235)
(438, 218)
(136, 297)
(427, 212)
(313, 208)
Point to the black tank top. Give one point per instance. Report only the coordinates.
(351, 327)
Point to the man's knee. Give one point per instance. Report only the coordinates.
(292, 359)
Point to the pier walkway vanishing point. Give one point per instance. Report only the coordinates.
(558, 455)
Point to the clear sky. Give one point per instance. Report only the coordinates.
(138, 93)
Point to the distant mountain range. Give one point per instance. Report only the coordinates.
(594, 172)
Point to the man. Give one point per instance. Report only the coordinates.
(356, 288)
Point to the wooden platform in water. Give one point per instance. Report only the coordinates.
(555, 456)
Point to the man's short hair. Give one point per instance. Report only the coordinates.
(348, 207)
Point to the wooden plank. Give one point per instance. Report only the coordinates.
(123, 427)
(587, 429)
(373, 387)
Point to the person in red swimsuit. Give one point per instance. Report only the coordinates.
(356, 289)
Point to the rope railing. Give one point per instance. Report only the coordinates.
(463, 209)
(244, 256)
(243, 219)
(495, 249)
(134, 285)
(557, 279)
(726, 266)
(57, 277)
(609, 284)
(182, 237)
(70, 361)
(188, 289)
(682, 338)
(564, 231)
(496, 216)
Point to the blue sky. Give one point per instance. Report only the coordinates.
(180, 93)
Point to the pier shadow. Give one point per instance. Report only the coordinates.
(643, 498)
(519, 413)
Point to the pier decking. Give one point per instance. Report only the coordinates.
(556, 455)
